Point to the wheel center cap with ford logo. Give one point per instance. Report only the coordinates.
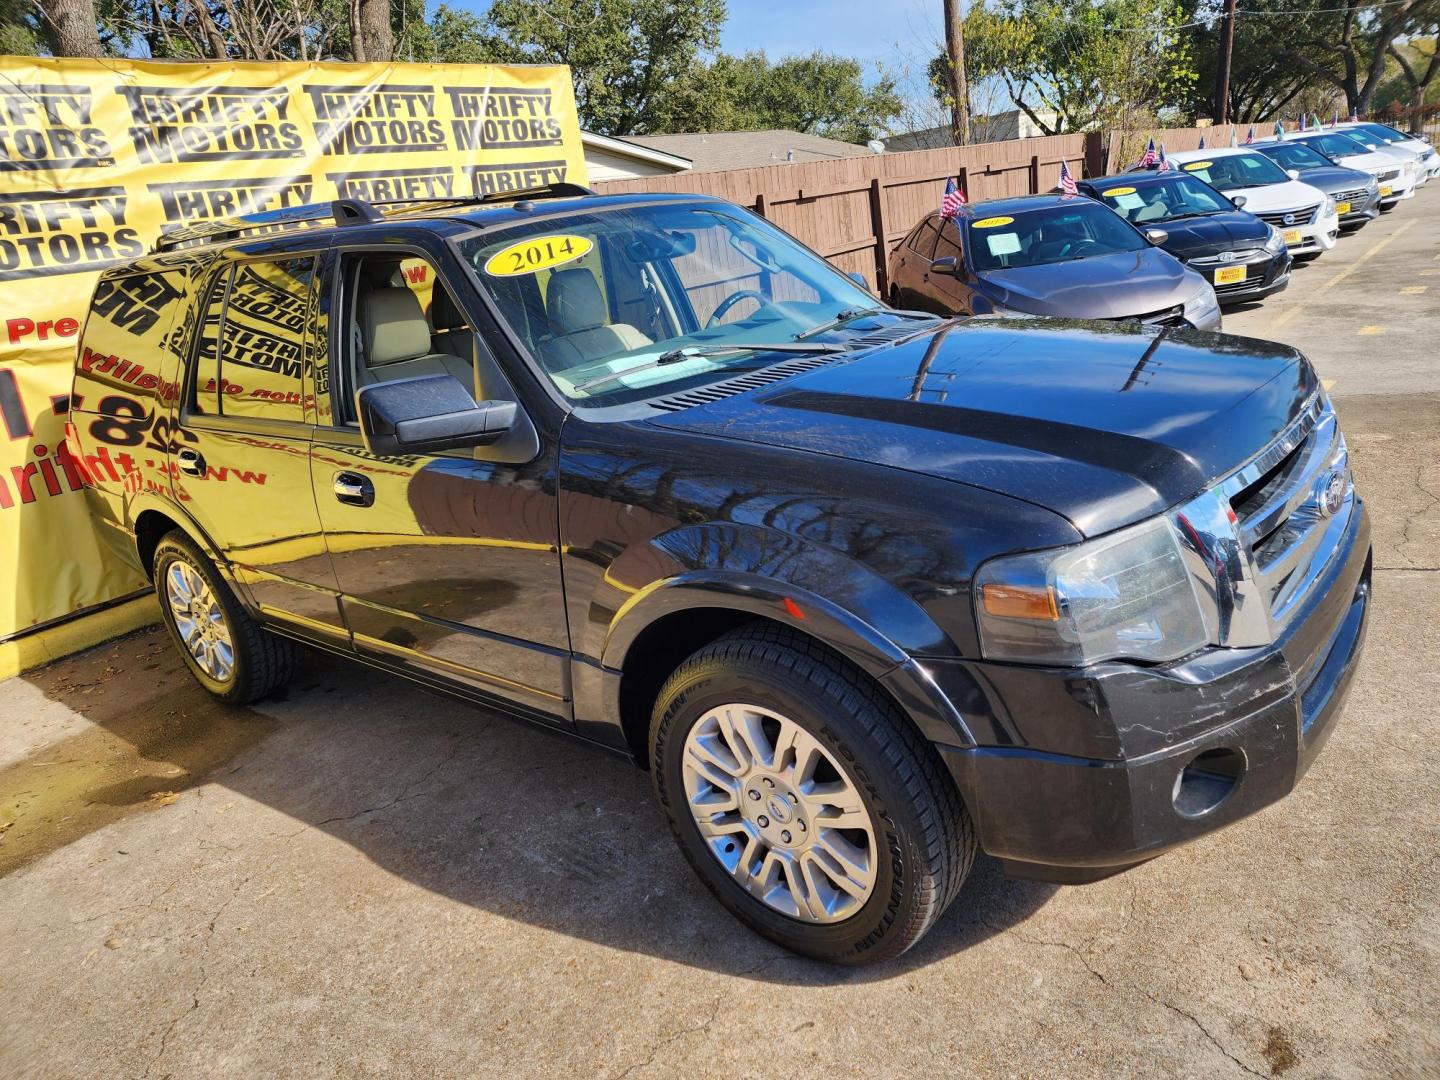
(779, 808)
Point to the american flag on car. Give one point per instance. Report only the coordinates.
(953, 199)
(1067, 182)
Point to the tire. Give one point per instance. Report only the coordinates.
(920, 843)
(259, 662)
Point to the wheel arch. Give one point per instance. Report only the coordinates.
(674, 618)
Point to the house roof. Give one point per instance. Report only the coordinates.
(712, 151)
(632, 149)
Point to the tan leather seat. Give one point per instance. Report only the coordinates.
(396, 341)
(579, 320)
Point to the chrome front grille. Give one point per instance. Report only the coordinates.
(1389, 174)
(1356, 198)
(1301, 215)
(1258, 541)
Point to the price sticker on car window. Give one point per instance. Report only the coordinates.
(1197, 166)
(536, 254)
(1116, 192)
(991, 222)
(1005, 243)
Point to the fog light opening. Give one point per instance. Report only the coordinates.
(1207, 781)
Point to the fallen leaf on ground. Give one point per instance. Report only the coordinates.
(163, 798)
(112, 942)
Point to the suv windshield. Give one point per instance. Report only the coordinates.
(1233, 171)
(1052, 234)
(1150, 203)
(1297, 156)
(653, 295)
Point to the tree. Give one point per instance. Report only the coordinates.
(1418, 70)
(70, 27)
(1347, 45)
(1073, 65)
(371, 38)
(819, 93)
(1264, 80)
(958, 87)
(625, 55)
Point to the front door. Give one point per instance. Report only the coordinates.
(952, 290)
(448, 564)
(240, 463)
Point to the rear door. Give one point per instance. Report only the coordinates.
(241, 463)
(448, 564)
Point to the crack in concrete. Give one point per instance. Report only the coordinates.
(1204, 1031)
(408, 792)
(672, 1038)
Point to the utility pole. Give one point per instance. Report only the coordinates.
(959, 85)
(1222, 69)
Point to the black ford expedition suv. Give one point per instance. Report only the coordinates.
(865, 590)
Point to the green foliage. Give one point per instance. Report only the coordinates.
(1093, 63)
(18, 34)
(819, 93)
(625, 55)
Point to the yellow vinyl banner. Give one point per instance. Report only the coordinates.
(98, 158)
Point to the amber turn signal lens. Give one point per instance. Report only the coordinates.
(1016, 602)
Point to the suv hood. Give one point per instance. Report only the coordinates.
(1116, 286)
(1104, 424)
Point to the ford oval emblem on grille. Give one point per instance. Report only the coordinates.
(1332, 495)
(1289, 219)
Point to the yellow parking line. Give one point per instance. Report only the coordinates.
(1372, 329)
(1413, 290)
(1288, 314)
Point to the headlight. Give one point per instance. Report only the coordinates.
(1373, 186)
(1329, 205)
(1202, 303)
(1127, 594)
(1275, 242)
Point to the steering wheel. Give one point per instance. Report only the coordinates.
(1080, 246)
(733, 299)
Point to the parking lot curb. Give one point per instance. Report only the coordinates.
(54, 642)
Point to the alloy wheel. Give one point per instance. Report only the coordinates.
(780, 813)
(200, 620)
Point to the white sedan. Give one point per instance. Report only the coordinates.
(1305, 216)
(1426, 159)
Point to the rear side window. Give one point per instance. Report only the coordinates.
(252, 339)
(922, 240)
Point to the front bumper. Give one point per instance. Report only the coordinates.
(1109, 766)
(1265, 274)
(1361, 214)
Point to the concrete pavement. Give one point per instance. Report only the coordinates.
(364, 879)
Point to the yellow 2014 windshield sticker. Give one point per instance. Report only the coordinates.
(537, 253)
(991, 222)
(1196, 166)
(1117, 191)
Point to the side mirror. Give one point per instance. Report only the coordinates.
(428, 414)
(1156, 236)
(947, 265)
(1294, 174)
(859, 279)
(1239, 201)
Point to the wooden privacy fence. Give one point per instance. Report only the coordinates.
(854, 210)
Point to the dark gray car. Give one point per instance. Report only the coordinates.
(1056, 255)
(1356, 193)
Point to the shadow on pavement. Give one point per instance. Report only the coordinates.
(491, 813)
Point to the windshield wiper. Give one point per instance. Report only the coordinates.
(851, 314)
(675, 356)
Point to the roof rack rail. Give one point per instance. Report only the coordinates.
(340, 212)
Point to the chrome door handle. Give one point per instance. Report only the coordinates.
(353, 489)
(190, 461)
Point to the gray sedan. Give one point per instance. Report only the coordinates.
(1356, 193)
(1056, 255)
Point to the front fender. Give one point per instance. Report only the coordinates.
(777, 576)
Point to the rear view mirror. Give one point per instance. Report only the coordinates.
(428, 414)
(1239, 201)
(946, 265)
(1156, 236)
